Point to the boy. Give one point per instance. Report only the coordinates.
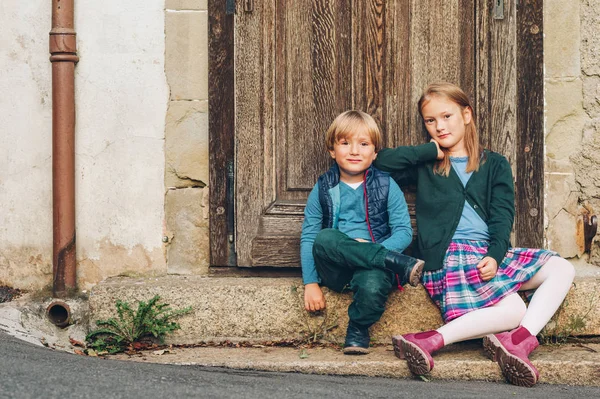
(356, 224)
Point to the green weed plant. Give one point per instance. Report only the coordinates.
(152, 319)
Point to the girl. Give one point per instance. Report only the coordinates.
(465, 212)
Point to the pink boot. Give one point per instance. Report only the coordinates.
(492, 342)
(417, 349)
(512, 354)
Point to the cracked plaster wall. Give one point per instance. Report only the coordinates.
(121, 96)
(572, 96)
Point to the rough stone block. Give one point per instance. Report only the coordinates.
(591, 95)
(265, 309)
(186, 62)
(562, 234)
(561, 39)
(590, 40)
(565, 118)
(187, 224)
(563, 98)
(561, 191)
(186, 144)
(186, 4)
(587, 163)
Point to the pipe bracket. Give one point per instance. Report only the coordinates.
(63, 43)
(64, 57)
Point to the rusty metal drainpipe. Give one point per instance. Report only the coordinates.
(63, 50)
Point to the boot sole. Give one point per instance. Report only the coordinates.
(355, 350)
(516, 370)
(490, 347)
(416, 273)
(398, 347)
(417, 360)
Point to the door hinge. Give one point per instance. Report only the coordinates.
(498, 11)
(230, 202)
(230, 193)
(230, 6)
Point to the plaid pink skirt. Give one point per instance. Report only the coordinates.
(457, 289)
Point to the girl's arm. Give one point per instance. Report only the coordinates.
(313, 218)
(400, 161)
(399, 220)
(502, 210)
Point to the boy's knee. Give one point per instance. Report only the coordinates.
(376, 283)
(327, 237)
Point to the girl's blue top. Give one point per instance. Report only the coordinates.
(471, 226)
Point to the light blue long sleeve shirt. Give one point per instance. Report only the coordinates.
(471, 226)
(353, 222)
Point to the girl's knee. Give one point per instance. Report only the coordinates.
(562, 267)
(515, 309)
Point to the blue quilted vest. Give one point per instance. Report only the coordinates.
(376, 185)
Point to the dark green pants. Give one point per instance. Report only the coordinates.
(346, 264)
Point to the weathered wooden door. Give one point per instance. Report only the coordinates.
(300, 63)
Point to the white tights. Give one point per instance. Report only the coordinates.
(552, 283)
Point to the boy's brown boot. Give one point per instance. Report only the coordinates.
(417, 350)
(407, 268)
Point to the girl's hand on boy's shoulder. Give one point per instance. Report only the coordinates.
(440, 153)
(361, 240)
(314, 300)
(487, 268)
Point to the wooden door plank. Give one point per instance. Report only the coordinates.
(368, 28)
(249, 93)
(269, 82)
(298, 153)
(496, 95)
(529, 223)
(397, 106)
(221, 128)
(442, 48)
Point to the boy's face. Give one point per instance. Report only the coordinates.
(354, 154)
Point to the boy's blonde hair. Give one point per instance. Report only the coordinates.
(472, 145)
(351, 122)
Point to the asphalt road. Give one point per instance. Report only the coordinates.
(29, 371)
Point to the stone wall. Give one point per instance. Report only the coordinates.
(186, 137)
(572, 81)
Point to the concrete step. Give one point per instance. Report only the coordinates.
(271, 309)
(572, 364)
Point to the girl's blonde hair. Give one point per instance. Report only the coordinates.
(351, 122)
(472, 145)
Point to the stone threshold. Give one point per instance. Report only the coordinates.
(563, 364)
(271, 309)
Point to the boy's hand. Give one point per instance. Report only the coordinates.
(440, 153)
(313, 297)
(487, 268)
(361, 240)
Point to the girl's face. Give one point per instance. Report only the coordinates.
(353, 154)
(445, 122)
